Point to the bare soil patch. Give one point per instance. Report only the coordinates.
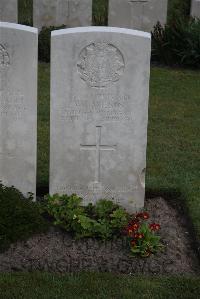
(57, 251)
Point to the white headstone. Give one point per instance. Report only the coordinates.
(18, 106)
(137, 14)
(9, 11)
(71, 13)
(99, 111)
(195, 8)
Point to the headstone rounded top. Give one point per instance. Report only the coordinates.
(18, 27)
(101, 29)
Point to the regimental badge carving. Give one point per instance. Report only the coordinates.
(4, 57)
(100, 64)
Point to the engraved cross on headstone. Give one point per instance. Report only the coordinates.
(142, 5)
(98, 147)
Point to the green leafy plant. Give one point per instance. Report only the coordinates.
(100, 13)
(142, 236)
(44, 42)
(103, 220)
(104, 208)
(177, 9)
(64, 209)
(25, 12)
(19, 217)
(177, 43)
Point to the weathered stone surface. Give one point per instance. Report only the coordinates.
(72, 13)
(18, 106)
(99, 108)
(195, 8)
(137, 14)
(8, 11)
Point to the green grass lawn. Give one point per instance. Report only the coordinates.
(173, 164)
(98, 286)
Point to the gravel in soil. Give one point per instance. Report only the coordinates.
(57, 251)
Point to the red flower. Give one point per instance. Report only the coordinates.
(154, 226)
(139, 215)
(143, 215)
(157, 226)
(130, 232)
(139, 236)
(133, 243)
(133, 227)
(133, 221)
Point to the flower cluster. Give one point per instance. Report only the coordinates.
(141, 235)
(154, 226)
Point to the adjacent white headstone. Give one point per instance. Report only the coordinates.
(71, 13)
(195, 8)
(137, 14)
(18, 106)
(99, 111)
(8, 11)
